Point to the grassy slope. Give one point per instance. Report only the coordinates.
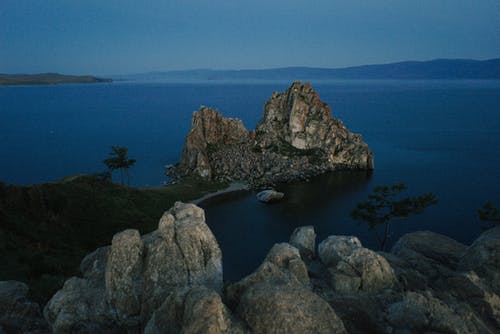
(46, 229)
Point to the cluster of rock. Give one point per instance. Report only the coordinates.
(170, 281)
(296, 138)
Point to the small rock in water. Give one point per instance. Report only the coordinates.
(270, 196)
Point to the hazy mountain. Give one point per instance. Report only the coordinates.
(433, 69)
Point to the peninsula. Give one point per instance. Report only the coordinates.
(47, 79)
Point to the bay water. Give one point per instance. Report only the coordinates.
(435, 136)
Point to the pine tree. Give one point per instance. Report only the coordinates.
(119, 160)
(385, 204)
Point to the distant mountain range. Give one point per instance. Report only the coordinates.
(46, 79)
(433, 69)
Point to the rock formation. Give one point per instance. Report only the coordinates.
(124, 284)
(296, 138)
(170, 280)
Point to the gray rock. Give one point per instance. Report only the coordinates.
(425, 313)
(18, 314)
(336, 248)
(125, 283)
(123, 275)
(270, 196)
(276, 307)
(80, 307)
(193, 310)
(283, 263)
(304, 238)
(363, 270)
(427, 251)
(483, 256)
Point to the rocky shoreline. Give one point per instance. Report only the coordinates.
(171, 281)
(297, 138)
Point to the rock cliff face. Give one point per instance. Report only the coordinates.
(170, 281)
(296, 138)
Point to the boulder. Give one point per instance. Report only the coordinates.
(304, 239)
(18, 314)
(279, 307)
(283, 263)
(270, 196)
(337, 247)
(362, 271)
(418, 312)
(193, 310)
(483, 256)
(125, 283)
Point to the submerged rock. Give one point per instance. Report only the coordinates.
(270, 196)
(295, 139)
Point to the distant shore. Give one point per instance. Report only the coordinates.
(47, 79)
(234, 186)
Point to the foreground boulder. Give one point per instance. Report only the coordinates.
(170, 281)
(295, 139)
(18, 314)
(125, 283)
(354, 268)
(277, 297)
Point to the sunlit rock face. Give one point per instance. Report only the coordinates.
(296, 138)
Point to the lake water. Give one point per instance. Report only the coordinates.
(435, 136)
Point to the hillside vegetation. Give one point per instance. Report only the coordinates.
(46, 229)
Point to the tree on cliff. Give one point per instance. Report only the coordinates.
(387, 203)
(489, 213)
(119, 160)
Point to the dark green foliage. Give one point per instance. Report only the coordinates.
(386, 203)
(46, 229)
(119, 160)
(315, 155)
(489, 213)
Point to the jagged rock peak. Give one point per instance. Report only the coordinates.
(296, 138)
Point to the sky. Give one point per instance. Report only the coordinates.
(133, 36)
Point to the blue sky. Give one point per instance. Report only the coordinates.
(125, 36)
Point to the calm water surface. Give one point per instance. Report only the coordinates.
(437, 136)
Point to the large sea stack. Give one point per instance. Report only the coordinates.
(296, 138)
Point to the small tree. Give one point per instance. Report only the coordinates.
(119, 160)
(489, 213)
(387, 203)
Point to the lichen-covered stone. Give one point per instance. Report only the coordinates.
(276, 307)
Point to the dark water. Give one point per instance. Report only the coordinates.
(437, 136)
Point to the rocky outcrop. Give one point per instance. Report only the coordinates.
(277, 298)
(296, 138)
(18, 314)
(125, 283)
(170, 281)
(193, 310)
